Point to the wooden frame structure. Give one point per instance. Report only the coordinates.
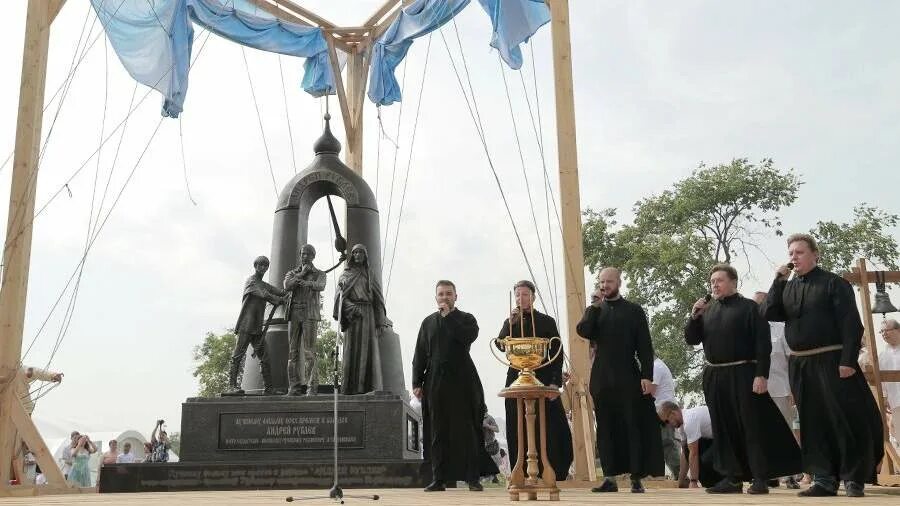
(862, 277)
(355, 42)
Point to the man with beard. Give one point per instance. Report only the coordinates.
(529, 322)
(445, 380)
(841, 436)
(628, 436)
(752, 439)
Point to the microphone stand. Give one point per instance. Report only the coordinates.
(336, 492)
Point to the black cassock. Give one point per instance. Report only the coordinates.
(628, 436)
(841, 430)
(559, 437)
(752, 439)
(453, 405)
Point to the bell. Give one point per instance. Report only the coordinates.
(882, 299)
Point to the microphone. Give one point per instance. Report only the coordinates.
(706, 299)
(790, 265)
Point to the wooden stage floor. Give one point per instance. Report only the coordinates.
(415, 497)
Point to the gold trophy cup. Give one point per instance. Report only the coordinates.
(527, 354)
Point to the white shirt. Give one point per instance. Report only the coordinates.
(889, 360)
(125, 458)
(665, 384)
(697, 424)
(778, 383)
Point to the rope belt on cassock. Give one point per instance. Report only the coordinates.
(729, 364)
(816, 351)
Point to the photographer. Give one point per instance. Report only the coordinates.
(159, 441)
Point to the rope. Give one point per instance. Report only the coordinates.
(287, 115)
(387, 222)
(412, 144)
(537, 231)
(259, 120)
(476, 119)
(187, 184)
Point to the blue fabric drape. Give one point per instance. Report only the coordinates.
(269, 34)
(514, 22)
(153, 41)
(418, 19)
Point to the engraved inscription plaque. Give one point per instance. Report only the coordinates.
(311, 430)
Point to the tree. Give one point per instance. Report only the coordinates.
(213, 358)
(665, 254)
(325, 342)
(840, 244)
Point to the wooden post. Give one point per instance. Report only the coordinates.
(17, 250)
(570, 202)
(869, 326)
(357, 65)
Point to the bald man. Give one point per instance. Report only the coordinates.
(628, 436)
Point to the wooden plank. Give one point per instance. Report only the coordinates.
(886, 376)
(382, 11)
(314, 19)
(29, 433)
(854, 277)
(17, 248)
(339, 86)
(54, 8)
(570, 202)
(869, 326)
(357, 66)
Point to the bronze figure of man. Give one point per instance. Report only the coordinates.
(305, 285)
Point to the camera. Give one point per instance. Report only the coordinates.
(160, 422)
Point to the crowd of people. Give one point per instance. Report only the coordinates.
(788, 354)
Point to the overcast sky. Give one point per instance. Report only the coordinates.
(659, 88)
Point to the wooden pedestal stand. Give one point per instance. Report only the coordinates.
(535, 482)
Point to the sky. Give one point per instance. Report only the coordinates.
(660, 87)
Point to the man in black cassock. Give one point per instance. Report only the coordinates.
(841, 436)
(559, 436)
(444, 378)
(753, 441)
(628, 436)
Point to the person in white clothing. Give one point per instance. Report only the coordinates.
(779, 385)
(888, 360)
(663, 390)
(695, 426)
(126, 457)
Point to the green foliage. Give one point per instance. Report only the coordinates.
(212, 358)
(867, 236)
(324, 347)
(666, 252)
(175, 442)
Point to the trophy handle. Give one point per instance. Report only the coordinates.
(554, 356)
(493, 349)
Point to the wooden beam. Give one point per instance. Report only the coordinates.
(29, 433)
(570, 202)
(281, 12)
(312, 17)
(869, 326)
(54, 8)
(339, 86)
(854, 277)
(357, 66)
(349, 30)
(886, 376)
(17, 249)
(380, 13)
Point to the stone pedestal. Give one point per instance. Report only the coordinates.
(277, 442)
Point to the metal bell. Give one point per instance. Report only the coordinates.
(882, 299)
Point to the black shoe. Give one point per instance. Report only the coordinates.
(817, 491)
(636, 487)
(475, 486)
(791, 483)
(435, 486)
(759, 487)
(773, 483)
(726, 486)
(854, 489)
(608, 485)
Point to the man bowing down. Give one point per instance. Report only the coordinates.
(444, 378)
